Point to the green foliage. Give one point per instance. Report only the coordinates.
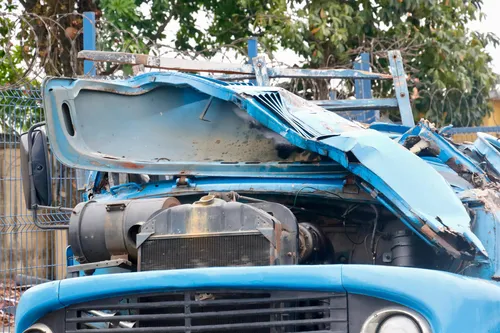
(16, 105)
(10, 55)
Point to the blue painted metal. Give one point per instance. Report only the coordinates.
(116, 188)
(253, 50)
(390, 128)
(460, 130)
(35, 303)
(424, 291)
(392, 172)
(475, 308)
(489, 147)
(70, 260)
(402, 94)
(485, 226)
(363, 90)
(307, 187)
(394, 175)
(448, 153)
(89, 38)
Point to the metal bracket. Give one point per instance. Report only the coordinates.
(183, 181)
(387, 257)
(402, 94)
(115, 207)
(147, 229)
(261, 74)
(122, 263)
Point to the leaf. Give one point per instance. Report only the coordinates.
(322, 13)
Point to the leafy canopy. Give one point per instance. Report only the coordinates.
(449, 69)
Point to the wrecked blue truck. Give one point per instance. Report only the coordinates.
(215, 206)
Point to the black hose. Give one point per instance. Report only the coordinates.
(375, 222)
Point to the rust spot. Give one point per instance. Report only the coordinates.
(170, 202)
(458, 168)
(130, 165)
(440, 241)
(327, 127)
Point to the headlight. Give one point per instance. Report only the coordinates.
(395, 320)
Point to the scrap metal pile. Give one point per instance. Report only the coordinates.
(9, 297)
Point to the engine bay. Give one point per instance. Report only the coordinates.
(218, 229)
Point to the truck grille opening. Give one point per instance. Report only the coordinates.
(204, 251)
(219, 311)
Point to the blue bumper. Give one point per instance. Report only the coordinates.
(451, 303)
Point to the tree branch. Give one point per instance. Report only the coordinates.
(161, 28)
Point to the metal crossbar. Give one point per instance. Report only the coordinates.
(261, 73)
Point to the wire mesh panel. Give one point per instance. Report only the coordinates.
(28, 255)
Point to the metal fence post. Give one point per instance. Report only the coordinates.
(89, 34)
(363, 88)
(252, 50)
(89, 43)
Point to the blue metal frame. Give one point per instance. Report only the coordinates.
(363, 90)
(258, 69)
(253, 51)
(89, 38)
(402, 94)
(464, 130)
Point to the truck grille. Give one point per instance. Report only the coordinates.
(204, 251)
(219, 311)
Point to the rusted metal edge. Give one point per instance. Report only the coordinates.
(426, 230)
(165, 63)
(186, 65)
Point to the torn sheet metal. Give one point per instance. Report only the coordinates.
(489, 147)
(445, 151)
(107, 118)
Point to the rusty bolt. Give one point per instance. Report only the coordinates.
(402, 94)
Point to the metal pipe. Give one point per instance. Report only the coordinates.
(122, 324)
(59, 208)
(43, 226)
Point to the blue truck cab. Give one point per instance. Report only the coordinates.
(216, 206)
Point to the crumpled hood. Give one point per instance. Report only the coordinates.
(181, 124)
